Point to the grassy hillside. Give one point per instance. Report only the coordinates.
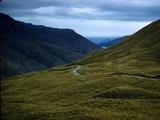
(120, 83)
(141, 46)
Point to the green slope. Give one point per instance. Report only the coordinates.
(141, 46)
(120, 83)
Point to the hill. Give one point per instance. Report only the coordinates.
(141, 47)
(119, 83)
(98, 40)
(25, 47)
(110, 43)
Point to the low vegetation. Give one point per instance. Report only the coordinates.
(99, 93)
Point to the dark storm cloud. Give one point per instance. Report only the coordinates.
(99, 9)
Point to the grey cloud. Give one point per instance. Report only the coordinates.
(137, 11)
(88, 17)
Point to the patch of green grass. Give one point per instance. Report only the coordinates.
(126, 92)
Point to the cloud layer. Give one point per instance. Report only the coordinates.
(86, 16)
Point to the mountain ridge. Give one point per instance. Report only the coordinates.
(139, 46)
(26, 47)
(111, 42)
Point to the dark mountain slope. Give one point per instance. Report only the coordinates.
(140, 47)
(26, 47)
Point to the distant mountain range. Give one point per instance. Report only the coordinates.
(25, 47)
(98, 40)
(108, 43)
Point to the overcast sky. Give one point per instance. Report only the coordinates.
(87, 17)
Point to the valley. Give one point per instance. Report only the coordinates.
(119, 83)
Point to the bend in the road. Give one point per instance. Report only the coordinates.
(76, 71)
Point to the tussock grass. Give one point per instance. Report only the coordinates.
(128, 93)
(98, 94)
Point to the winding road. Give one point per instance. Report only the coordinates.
(136, 76)
(76, 71)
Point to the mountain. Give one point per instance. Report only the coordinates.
(118, 83)
(108, 43)
(98, 40)
(139, 47)
(25, 47)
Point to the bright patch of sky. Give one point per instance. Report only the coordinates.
(87, 17)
